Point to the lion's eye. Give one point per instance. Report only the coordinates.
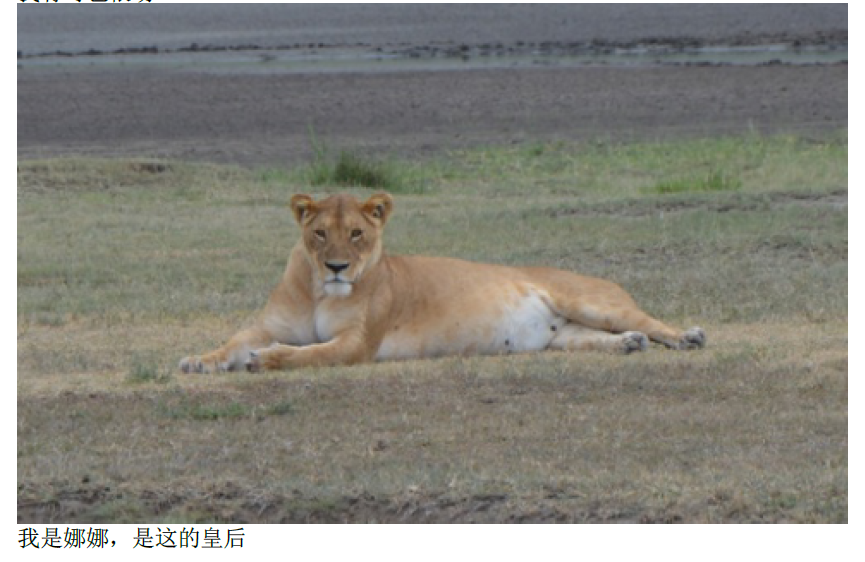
(356, 234)
(320, 234)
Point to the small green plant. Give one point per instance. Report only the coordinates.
(350, 169)
(146, 370)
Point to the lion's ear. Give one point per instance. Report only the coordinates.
(379, 207)
(302, 206)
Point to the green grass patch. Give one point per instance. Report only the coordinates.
(352, 170)
(199, 409)
(712, 181)
(752, 163)
(145, 370)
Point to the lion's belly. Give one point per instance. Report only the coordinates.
(519, 321)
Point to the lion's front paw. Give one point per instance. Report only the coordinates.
(203, 365)
(268, 359)
(693, 338)
(634, 341)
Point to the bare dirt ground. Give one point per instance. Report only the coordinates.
(172, 83)
(266, 119)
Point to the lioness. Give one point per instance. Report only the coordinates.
(343, 300)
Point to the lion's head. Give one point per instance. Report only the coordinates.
(342, 237)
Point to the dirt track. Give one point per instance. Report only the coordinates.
(261, 112)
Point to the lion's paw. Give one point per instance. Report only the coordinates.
(634, 341)
(268, 358)
(253, 364)
(190, 365)
(693, 338)
(202, 365)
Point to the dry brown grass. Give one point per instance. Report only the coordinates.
(121, 277)
(752, 430)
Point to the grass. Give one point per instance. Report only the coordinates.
(213, 408)
(125, 266)
(712, 181)
(147, 370)
(353, 170)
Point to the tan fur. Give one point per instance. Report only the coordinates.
(343, 300)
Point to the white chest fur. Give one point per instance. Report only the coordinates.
(330, 316)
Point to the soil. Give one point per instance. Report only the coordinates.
(249, 85)
(414, 81)
(267, 119)
(232, 503)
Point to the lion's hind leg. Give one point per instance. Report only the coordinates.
(693, 338)
(572, 337)
(620, 319)
(605, 306)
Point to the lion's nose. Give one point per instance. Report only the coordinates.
(336, 266)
